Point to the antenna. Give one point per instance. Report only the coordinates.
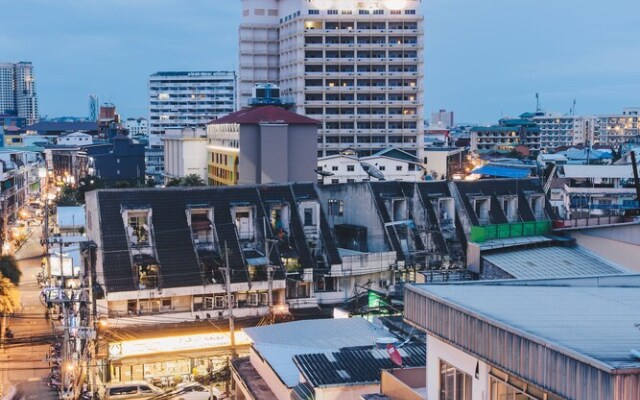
(538, 103)
(573, 108)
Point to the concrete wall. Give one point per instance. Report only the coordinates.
(620, 244)
(345, 392)
(399, 384)
(439, 350)
(270, 377)
(302, 153)
(249, 166)
(274, 153)
(365, 214)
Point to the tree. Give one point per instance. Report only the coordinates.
(193, 180)
(9, 296)
(67, 197)
(174, 182)
(10, 269)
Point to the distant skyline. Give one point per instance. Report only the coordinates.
(483, 60)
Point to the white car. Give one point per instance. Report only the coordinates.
(193, 391)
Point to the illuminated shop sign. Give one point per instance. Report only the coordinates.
(174, 343)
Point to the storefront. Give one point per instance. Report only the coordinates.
(172, 359)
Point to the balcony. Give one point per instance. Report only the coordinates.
(357, 263)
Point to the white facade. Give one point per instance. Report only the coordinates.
(356, 66)
(617, 129)
(137, 126)
(185, 153)
(564, 130)
(75, 139)
(18, 90)
(189, 99)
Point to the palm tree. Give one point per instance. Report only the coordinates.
(174, 182)
(192, 180)
(9, 268)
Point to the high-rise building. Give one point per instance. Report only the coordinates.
(442, 117)
(357, 66)
(189, 99)
(137, 126)
(18, 91)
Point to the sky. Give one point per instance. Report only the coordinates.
(483, 59)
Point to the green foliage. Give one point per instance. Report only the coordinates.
(9, 268)
(188, 181)
(9, 296)
(174, 182)
(67, 197)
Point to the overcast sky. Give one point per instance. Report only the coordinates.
(484, 59)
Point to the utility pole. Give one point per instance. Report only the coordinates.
(267, 250)
(227, 271)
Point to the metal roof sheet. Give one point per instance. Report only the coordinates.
(598, 171)
(502, 172)
(279, 343)
(588, 323)
(551, 262)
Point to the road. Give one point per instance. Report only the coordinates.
(23, 363)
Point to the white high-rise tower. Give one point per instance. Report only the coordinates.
(18, 91)
(357, 66)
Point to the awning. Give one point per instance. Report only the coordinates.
(502, 172)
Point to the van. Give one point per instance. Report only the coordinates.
(139, 390)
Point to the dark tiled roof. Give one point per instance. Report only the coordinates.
(46, 126)
(257, 115)
(355, 365)
(497, 187)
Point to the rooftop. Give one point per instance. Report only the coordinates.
(279, 343)
(255, 384)
(590, 319)
(264, 114)
(598, 171)
(46, 126)
(551, 262)
(350, 366)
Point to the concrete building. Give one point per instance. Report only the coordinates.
(181, 99)
(618, 129)
(389, 164)
(508, 133)
(120, 160)
(18, 91)
(74, 139)
(185, 153)
(564, 130)
(259, 145)
(137, 126)
(445, 162)
(571, 338)
(355, 66)
(442, 117)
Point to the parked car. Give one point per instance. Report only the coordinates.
(193, 391)
(139, 390)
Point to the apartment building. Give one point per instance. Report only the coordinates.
(617, 129)
(564, 130)
(137, 126)
(509, 133)
(181, 99)
(18, 91)
(355, 66)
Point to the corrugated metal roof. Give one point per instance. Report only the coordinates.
(551, 262)
(355, 365)
(279, 343)
(587, 323)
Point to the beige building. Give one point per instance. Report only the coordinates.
(185, 153)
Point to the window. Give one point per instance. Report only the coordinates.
(454, 384)
(334, 168)
(363, 12)
(382, 168)
(252, 300)
(336, 207)
(166, 303)
(351, 168)
(396, 12)
(378, 12)
(347, 12)
(332, 12)
(314, 12)
(335, 181)
(308, 217)
(351, 180)
(145, 389)
(398, 167)
(410, 12)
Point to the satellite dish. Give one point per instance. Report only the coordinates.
(372, 171)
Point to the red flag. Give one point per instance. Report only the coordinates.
(394, 354)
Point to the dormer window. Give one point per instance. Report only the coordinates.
(201, 225)
(510, 207)
(244, 222)
(138, 228)
(536, 201)
(481, 207)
